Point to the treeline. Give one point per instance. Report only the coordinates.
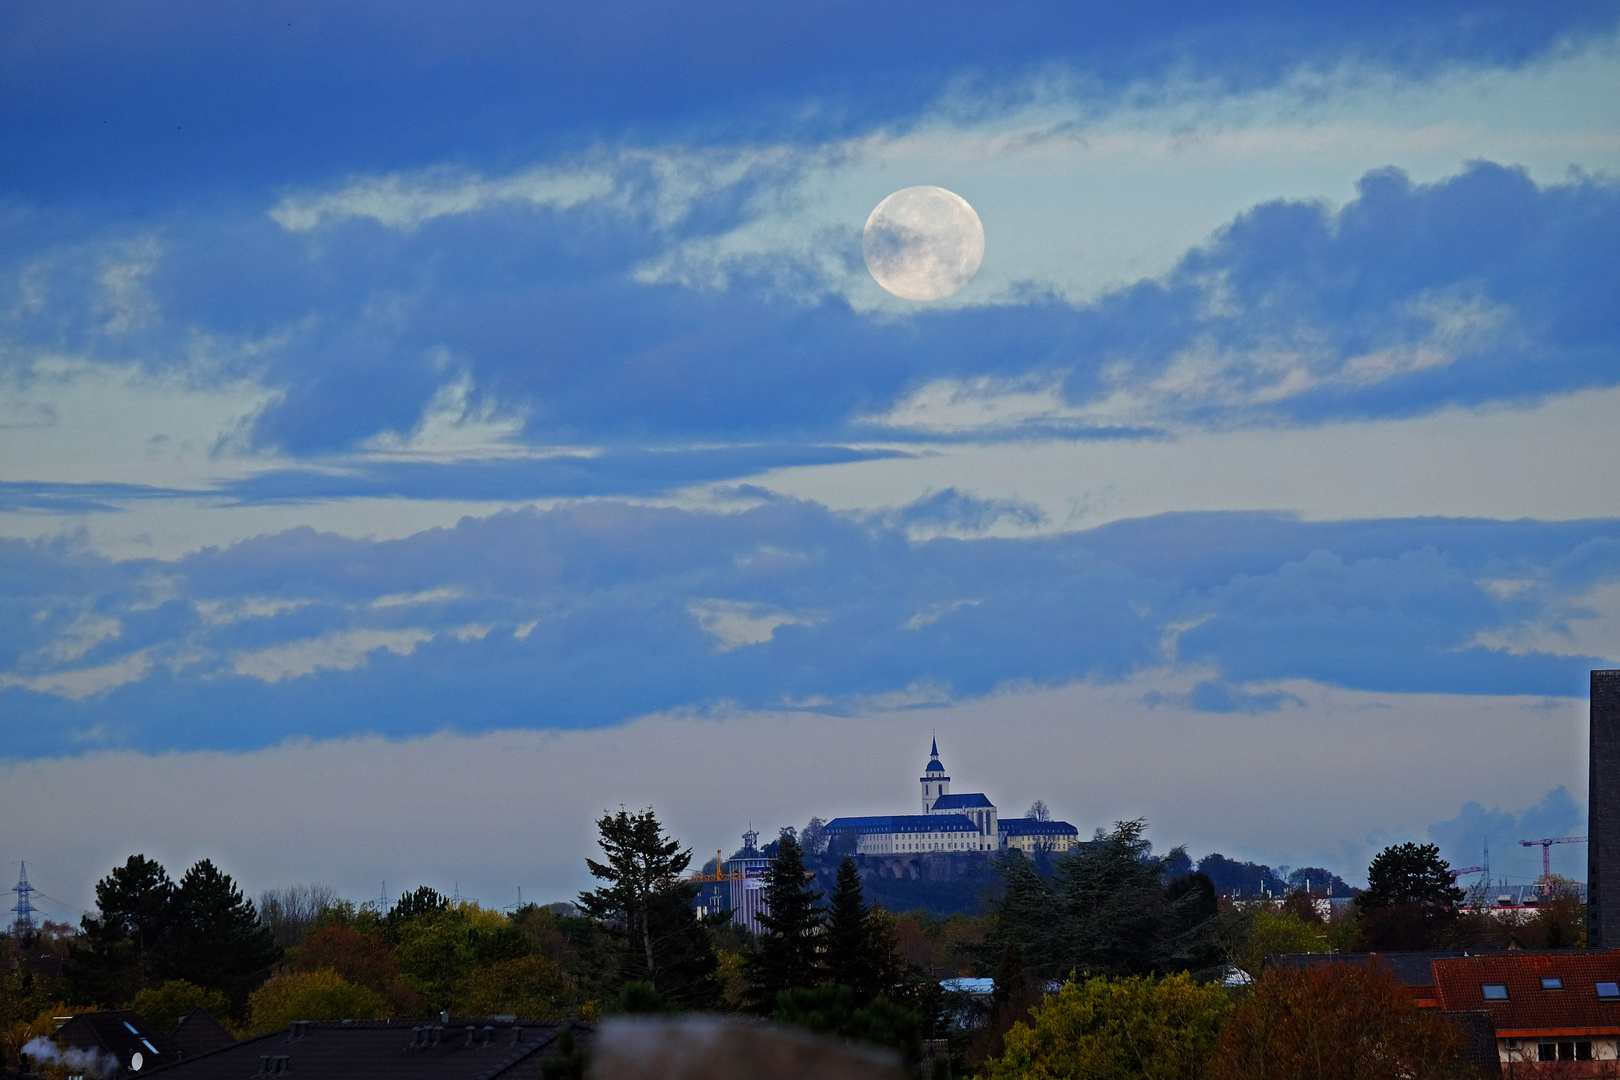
(1147, 951)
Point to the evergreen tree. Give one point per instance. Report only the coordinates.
(788, 953)
(686, 961)
(121, 951)
(412, 906)
(1409, 874)
(1117, 918)
(655, 935)
(1027, 913)
(1409, 902)
(216, 938)
(848, 937)
(1109, 911)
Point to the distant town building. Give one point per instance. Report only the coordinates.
(1030, 836)
(747, 881)
(737, 885)
(950, 823)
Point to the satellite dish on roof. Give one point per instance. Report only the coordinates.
(136, 1061)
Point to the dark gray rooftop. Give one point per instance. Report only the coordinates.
(121, 1033)
(974, 801)
(1031, 827)
(199, 1033)
(465, 1048)
(902, 823)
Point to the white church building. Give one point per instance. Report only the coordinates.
(950, 823)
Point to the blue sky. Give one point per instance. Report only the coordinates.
(391, 383)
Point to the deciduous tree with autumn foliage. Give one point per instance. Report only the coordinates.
(1335, 1021)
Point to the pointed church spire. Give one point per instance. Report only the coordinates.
(934, 752)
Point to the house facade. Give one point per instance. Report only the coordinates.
(1556, 1013)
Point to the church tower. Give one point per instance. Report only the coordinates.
(934, 781)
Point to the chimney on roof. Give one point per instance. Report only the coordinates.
(1603, 814)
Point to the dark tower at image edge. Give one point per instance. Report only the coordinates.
(1603, 813)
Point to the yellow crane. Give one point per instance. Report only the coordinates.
(719, 872)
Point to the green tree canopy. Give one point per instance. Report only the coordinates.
(119, 951)
(413, 905)
(217, 940)
(314, 995)
(1409, 874)
(1108, 911)
(648, 910)
(163, 1006)
(1410, 900)
(149, 930)
(1117, 1029)
(859, 948)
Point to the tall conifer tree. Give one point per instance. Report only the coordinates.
(119, 951)
(648, 909)
(789, 950)
(217, 939)
(849, 953)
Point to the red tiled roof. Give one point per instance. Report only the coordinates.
(1529, 1009)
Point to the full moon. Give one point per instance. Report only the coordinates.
(923, 243)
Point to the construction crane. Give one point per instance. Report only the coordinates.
(719, 872)
(1546, 853)
(1455, 874)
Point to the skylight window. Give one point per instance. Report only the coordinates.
(1494, 991)
(1552, 984)
(1608, 990)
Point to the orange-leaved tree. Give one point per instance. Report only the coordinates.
(1335, 1021)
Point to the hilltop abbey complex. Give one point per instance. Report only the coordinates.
(948, 823)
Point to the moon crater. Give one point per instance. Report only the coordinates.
(923, 243)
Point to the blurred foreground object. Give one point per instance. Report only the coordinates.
(725, 1048)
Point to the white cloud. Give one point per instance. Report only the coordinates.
(1549, 461)
(80, 636)
(407, 201)
(225, 612)
(456, 426)
(930, 616)
(342, 651)
(1587, 624)
(430, 596)
(80, 683)
(125, 300)
(76, 421)
(735, 624)
(953, 406)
